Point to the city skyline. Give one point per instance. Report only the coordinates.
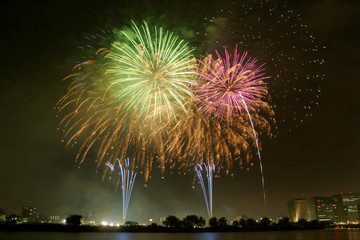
(320, 157)
(340, 209)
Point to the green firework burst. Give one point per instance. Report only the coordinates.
(151, 71)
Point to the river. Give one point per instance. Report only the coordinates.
(352, 234)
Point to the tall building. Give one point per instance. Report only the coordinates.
(29, 214)
(299, 208)
(351, 202)
(54, 219)
(329, 209)
(341, 208)
(89, 218)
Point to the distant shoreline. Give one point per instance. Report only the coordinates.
(154, 228)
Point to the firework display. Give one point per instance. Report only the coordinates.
(151, 72)
(277, 35)
(127, 96)
(226, 143)
(227, 84)
(127, 183)
(158, 126)
(208, 170)
(146, 97)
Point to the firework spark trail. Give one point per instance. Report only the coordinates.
(209, 176)
(227, 142)
(125, 92)
(258, 151)
(127, 184)
(110, 166)
(230, 86)
(198, 173)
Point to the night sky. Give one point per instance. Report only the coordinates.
(39, 47)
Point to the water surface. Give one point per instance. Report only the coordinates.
(353, 234)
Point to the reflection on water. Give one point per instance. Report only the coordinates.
(207, 236)
(353, 234)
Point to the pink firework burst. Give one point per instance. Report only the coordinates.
(228, 85)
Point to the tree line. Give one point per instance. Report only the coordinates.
(222, 224)
(190, 223)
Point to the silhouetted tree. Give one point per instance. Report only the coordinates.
(222, 222)
(190, 221)
(131, 223)
(172, 221)
(242, 223)
(265, 222)
(201, 222)
(213, 222)
(251, 222)
(302, 222)
(235, 224)
(12, 219)
(284, 221)
(74, 220)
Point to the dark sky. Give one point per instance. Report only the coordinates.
(39, 47)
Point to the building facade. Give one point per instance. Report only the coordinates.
(29, 214)
(340, 209)
(329, 209)
(299, 208)
(351, 202)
